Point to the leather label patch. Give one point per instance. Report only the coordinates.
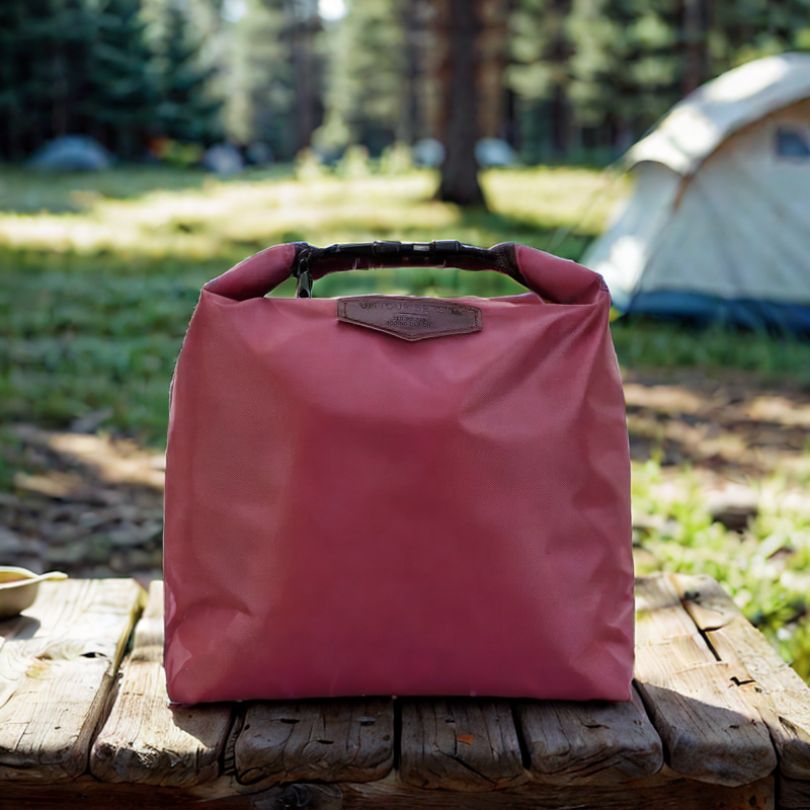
(409, 318)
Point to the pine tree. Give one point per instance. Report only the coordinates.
(120, 103)
(24, 92)
(627, 66)
(368, 76)
(261, 91)
(460, 31)
(43, 51)
(186, 109)
(414, 19)
(741, 32)
(276, 80)
(539, 74)
(303, 36)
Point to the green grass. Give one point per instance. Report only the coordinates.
(99, 275)
(766, 568)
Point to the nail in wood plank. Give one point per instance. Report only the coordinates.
(593, 742)
(709, 730)
(144, 739)
(57, 665)
(460, 744)
(331, 740)
(777, 691)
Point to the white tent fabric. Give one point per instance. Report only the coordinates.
(696, 126)
(720, 211)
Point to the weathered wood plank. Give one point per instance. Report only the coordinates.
(656, 794)
(710, 732)
(792, 794)
(57, 665)
(594, 742)
(649, 794)
(460, 744)
(776, 690)
(331, 740)
(146, 740)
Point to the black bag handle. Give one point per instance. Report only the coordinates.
(313, 262)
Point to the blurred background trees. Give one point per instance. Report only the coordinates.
(556, 79)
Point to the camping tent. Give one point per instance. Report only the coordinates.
(718, 226)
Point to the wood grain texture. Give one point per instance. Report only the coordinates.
(594, 742)
(390, 792)
(776, 690)
(656, 794)
(709, 730)
(792, 794)
(146, 740)
(468, 744)
(333, 740)
(57, 665)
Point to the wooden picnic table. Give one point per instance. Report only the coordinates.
(718, 720)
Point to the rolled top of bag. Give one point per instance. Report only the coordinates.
(554, 279)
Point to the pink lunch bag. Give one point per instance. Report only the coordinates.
(398, 495)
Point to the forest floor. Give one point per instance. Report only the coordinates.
(99, 275)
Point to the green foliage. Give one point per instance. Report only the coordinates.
(396, 159)
(541, 47)
(35, 90)
(365, 84)
(354, 163)
(584, 77)
(628, 66)
(621, 64)
(186, 110)
(658, 345)
(106, 68)
(275, 85)
(745, 31)
(261, 104)
(308, 165)
(123, 87)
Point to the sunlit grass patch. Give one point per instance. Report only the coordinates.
(196, 216)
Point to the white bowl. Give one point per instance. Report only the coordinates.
(18, 588)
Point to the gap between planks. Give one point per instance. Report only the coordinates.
(145, 740)
(767, 681)
(710, 730)
(58, 661)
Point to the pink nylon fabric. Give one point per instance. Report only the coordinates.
(348, 513)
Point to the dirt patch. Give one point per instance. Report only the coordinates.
(729, 425)
(85, 504)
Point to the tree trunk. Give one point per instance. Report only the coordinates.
(695, 23)
(304, 17)
(461, 25)
(411, 123)
(560, 134)
(559, 56)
